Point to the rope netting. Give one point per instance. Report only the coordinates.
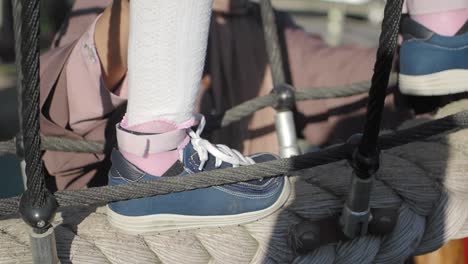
(369, 146)
(428, 191)
(102, 195)
(231, 116)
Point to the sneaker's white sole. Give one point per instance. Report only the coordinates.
(164, 222)
(440, 83)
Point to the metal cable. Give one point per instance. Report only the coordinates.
(272, 45)
(383, 66)
(30, 108)
(247, 108)
(233, 115)
(167, 185)
(57, 144)
(72, 145)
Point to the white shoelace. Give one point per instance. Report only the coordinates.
(222, 153)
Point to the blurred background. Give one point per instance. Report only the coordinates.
(337, 21)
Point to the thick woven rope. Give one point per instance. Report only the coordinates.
(426, 180)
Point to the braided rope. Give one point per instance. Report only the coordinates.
(383, 66)
(167, 185)
(30, 107)
(273, 44)
(413, 211)
(432, 210)
(233, 115)
(72, 145)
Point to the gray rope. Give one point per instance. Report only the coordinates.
(340, 91)
(431, 212)
(272, 43)
(57, 144)
(72, 145)
(168, 185)
(231, 116)
(29, 46)
(247, 108)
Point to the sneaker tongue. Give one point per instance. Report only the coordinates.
(463, 29)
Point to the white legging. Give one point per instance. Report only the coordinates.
(167, 48)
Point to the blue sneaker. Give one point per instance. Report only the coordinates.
(211, 207)
(431, 64)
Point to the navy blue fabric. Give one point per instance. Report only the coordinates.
(225, 200)
(435, 54)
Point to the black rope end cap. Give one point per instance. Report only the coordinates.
(383, 220)
(286, 99)
(307, 236)
(40, 219)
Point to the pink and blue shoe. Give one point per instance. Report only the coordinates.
(432, 64)
(211, 207)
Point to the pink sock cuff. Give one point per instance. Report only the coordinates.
(443, 23)
(160, 136)
(144, 145)
(154, 164)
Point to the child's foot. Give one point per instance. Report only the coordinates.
(432, 64)
(211, 207)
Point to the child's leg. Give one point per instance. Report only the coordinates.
(167, 47)
(442, 17)
(167, 50)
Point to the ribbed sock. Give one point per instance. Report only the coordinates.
(156, 163)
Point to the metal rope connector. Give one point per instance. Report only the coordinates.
(284, 120)
(285, 97)
(356, 211)
(39, 218)
(42, 236)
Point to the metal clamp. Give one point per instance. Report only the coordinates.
(357, 217)
(39, 218)
(286, 98)
(284, 121)
(356, 212)
(42, 236)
